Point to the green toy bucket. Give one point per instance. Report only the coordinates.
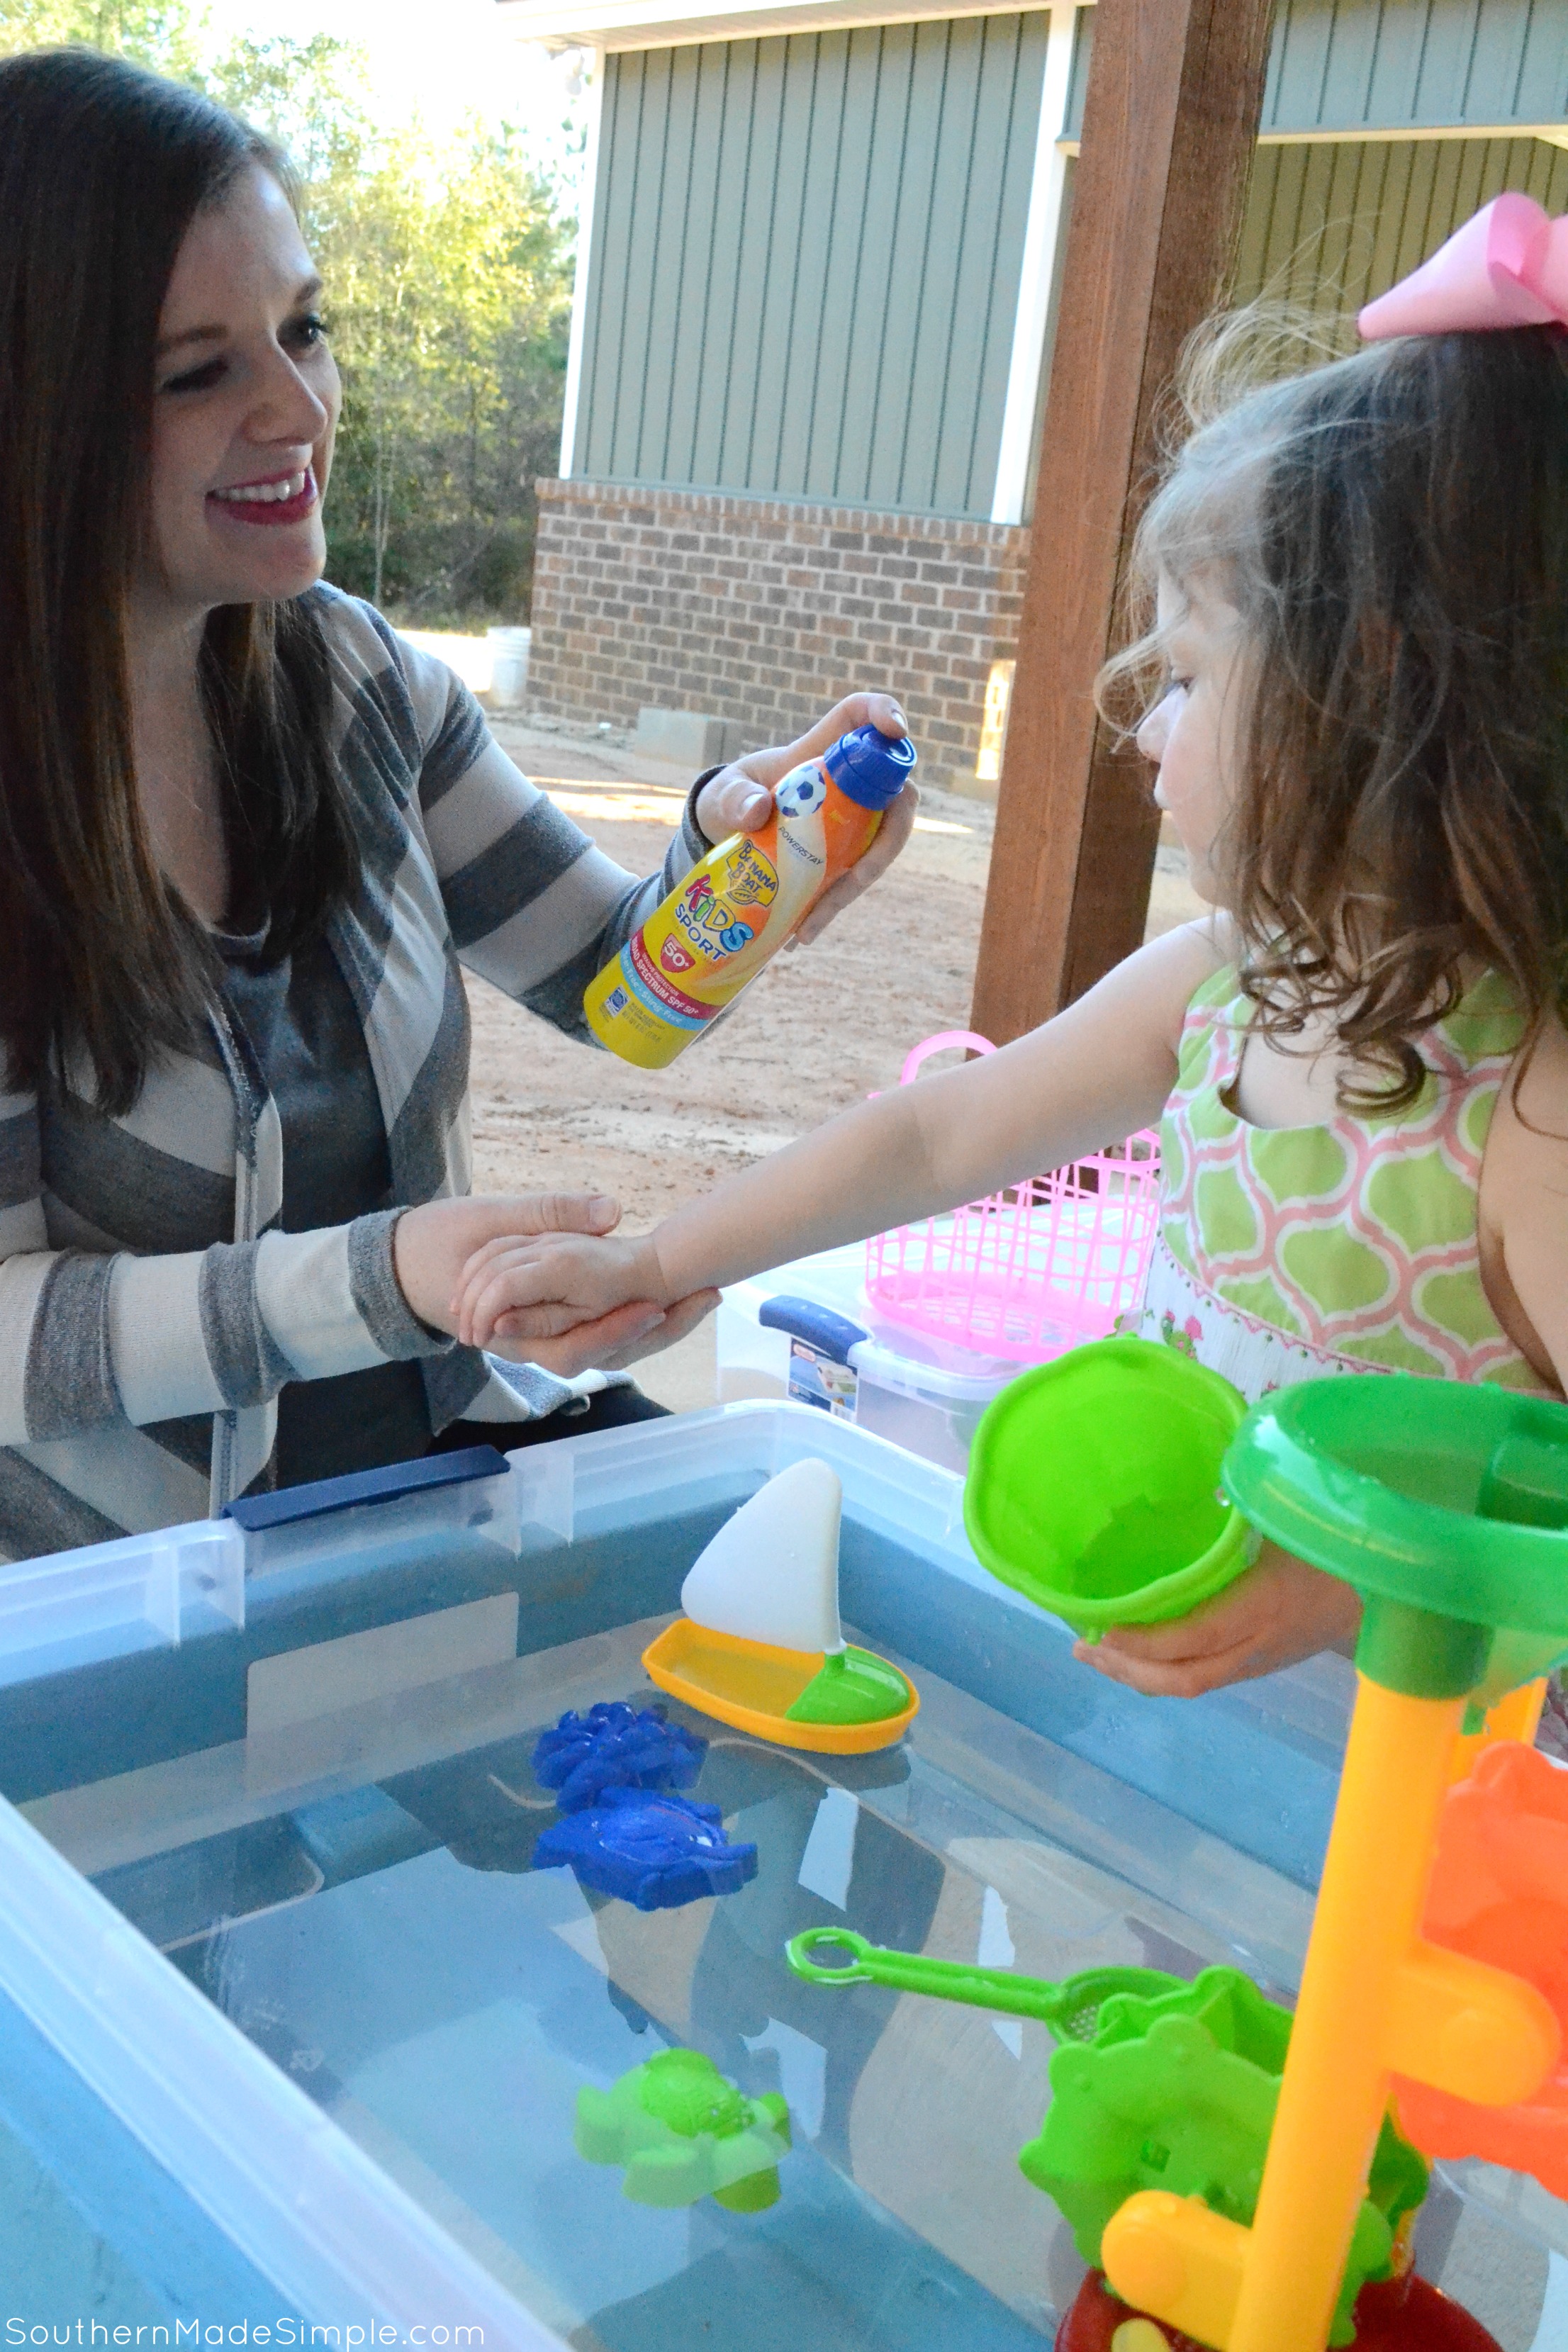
(1094, 1489)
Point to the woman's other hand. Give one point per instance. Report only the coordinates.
(1281, 1612)
(737, 800)
(552, 1298)
(602, 1346)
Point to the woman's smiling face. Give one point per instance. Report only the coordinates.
(246, 407)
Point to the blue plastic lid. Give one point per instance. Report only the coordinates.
(819, 1327)
(869, 766)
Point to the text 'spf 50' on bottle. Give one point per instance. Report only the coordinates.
(718, 929)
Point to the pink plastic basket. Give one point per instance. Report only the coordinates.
(1031, 1272)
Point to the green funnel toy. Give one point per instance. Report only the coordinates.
(1443, 1503)
(1093, 1485)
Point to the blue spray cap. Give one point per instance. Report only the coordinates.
(869, 766)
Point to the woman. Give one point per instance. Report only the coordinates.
(247, 834)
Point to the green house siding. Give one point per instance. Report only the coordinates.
(1330, 225)
(806, 254)
(1399, 64)
(806, 250)
(1421, 64)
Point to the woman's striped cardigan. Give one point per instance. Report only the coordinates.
(138, 1377)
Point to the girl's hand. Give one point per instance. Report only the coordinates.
(519, 1288)
(432, 1246)
(737, 800)
(556, 1300)
(1279, 1612)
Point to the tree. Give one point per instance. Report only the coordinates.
(158, 33)
(449, 277)
(448, 273)
(451, 300)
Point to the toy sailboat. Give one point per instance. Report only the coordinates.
(761, 1645)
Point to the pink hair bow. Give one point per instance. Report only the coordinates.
(1506, 268)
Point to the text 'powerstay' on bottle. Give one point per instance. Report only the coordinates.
(716, 930)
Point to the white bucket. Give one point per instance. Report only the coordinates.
(508, 666)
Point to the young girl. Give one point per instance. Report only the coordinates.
(1361, 578)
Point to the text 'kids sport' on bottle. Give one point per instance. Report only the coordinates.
(718, 929)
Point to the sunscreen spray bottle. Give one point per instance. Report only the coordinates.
(717, 929)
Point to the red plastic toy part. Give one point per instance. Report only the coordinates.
(1398, 2316)
(1499, 1894)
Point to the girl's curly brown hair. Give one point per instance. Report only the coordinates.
(1392, 529)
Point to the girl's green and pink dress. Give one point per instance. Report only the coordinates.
(1284, 1254)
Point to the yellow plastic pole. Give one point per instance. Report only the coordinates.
(1517, 1717)
(1335, 2088)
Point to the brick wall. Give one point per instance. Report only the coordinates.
(765, 612)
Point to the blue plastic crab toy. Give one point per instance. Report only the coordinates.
(614, 1746)
(657, 1851)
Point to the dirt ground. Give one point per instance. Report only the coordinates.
(821, 1026)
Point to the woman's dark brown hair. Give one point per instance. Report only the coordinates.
(1393, 529)
(102, 168)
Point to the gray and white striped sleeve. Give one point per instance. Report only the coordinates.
(221, 1328)
(92, 1337)
(55, 1376)
(107, 1315)
(533, 905)
(27, 1262)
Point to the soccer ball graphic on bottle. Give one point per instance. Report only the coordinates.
(805, 790)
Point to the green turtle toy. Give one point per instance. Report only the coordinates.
(683, 2131)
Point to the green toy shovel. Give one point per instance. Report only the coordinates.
(1070, 2009)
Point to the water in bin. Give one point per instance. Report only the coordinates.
(356, 1893)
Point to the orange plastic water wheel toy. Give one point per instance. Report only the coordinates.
(1499, 1894)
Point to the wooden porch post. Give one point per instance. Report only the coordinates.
(1175, 92)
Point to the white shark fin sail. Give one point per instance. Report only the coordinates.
(771, 1573)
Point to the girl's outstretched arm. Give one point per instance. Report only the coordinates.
(1095, 1073)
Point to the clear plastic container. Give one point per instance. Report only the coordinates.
(921, 1392)
(306, 2029)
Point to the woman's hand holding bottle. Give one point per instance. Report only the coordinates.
(738, 800)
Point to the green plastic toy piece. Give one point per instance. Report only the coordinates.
(1070, 2009)
(1174, 2109)
(852, 1686)
(683, 2132)
(1093, 1485)
(1160, 2083)
(1236, 2017)
(1446, 1505)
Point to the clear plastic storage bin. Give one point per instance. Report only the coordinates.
(292, 2033)
(921, 1392)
